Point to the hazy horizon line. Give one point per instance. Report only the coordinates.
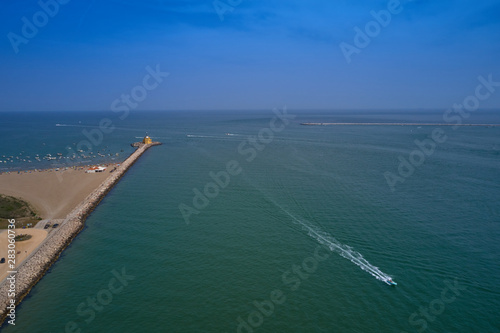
(262, 110)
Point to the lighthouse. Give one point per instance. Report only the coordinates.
(147, 140)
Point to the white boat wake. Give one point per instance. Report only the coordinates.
(347, 252)
(331, 243)
(344, 250)
(200, 136)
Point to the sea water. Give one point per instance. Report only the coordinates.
(299, 240)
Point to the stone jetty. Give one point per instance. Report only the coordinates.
(398, 124)
(38, 262)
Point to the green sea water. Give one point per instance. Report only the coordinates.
(298, 241)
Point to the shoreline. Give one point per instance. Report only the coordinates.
(34, 267)
(53, 194)
(26, 167)
(397, 124)
(81, 167)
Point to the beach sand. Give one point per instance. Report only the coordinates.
(53, 194)
(23, 249)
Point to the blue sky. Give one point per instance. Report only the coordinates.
(264, 54)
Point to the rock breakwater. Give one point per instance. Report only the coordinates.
(39, 261)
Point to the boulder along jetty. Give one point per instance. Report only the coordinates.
(398, 124)
(20, 281)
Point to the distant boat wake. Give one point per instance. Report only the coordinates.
(97, 126)
(210, 136)
(335, 246)
(347, 252)
(200, 136)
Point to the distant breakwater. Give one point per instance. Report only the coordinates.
(397, 124)
(39, 261)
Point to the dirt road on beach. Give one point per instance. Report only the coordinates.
(23, 248)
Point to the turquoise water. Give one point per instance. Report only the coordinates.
(259, 239)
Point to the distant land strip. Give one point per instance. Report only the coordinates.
(396, 124)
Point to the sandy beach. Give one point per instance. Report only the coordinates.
(53, 194)
(70, 194)
(23, 249)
